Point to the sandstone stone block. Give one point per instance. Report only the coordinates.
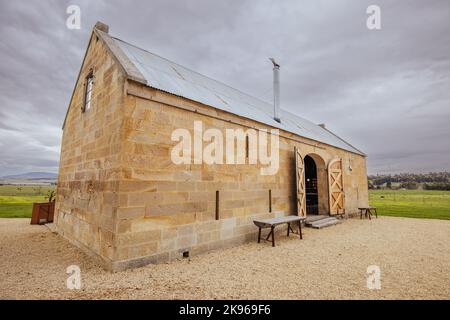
(168, 245)
(169, 233)
(185, 242)
(141, 198)
(215, 235)
(228, 223)
(183, 218)
(207, 226)
(150, 223)
(226, 233)
(130, 212)
(143, 250)
(204, 237)
(185, 230)
(129, 239)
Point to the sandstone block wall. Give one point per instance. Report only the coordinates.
(90, 168)
(167, 209)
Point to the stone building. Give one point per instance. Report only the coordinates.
(123, 198)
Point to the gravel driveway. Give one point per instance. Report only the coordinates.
(413, 255)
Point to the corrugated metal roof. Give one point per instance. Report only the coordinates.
(168, 76)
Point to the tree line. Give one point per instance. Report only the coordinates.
(427, 181)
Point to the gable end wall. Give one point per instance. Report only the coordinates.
(89, 169)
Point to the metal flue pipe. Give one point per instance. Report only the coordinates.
(276, 90)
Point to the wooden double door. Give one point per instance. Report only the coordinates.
(336, 194)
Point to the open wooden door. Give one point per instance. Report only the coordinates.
(336, 187)
(300, 183)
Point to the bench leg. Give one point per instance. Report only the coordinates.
(376, 213)
(273, 236)
(300, 229)
(289, 229)
(259, 235)
(360, 214)
(369, 214)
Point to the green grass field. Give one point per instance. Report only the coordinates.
(428, 204)
(17, 201)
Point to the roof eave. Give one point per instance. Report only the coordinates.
(347, 143)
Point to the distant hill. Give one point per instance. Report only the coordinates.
(33, 176)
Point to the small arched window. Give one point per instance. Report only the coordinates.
(88, 91)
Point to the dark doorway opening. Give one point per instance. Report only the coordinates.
(312, 194)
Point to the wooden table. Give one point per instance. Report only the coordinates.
(272, 223)
(368, 212)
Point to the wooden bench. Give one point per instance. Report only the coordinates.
(368, 212)
(272, 223)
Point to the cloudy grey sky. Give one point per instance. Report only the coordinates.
(385, 91)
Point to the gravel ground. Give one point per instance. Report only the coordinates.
(413, 254)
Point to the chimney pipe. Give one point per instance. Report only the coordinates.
(276, 90)
(102, 26)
